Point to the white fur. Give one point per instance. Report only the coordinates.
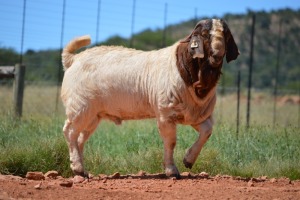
(118, 84)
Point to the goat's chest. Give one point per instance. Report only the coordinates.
(191, 113)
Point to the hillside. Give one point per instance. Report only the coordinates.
(43, 65)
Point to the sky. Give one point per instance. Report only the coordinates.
(48, 26)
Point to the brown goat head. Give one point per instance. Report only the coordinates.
(200, 55)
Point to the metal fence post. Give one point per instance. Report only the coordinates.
(250, 69)
(19, 89)
(276, 73)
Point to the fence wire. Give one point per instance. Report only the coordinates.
(59, 18)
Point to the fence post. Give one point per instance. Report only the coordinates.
(132, 25)
(164, 42)
(250, 69)
(238, 102)
(276, 73)
(19, 89)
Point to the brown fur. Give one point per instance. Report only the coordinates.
(197, 73)
(214, 40)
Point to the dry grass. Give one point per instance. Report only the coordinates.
(40, 101)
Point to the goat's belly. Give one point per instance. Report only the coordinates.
(126, 108)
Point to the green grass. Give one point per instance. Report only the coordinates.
(36, 142)
(32, 145)
(38, 145)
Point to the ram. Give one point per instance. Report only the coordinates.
(175, 85)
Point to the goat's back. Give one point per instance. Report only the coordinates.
(118, 81)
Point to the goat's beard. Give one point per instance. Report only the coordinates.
(208, 77)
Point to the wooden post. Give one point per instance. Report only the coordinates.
(19, 89)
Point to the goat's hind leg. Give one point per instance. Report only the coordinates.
(86, 133)
(71, 133)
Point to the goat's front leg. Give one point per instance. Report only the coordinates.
(167, 132)
(205, 131)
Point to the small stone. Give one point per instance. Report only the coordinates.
(51, 174)
(66, 184)
(115, 175)
(204, 175)
(11, 177)
(86, 181)
(102, 176)
(250, 183)
(78, 179)
(273, 180)
(38, 186)
(187, 174)
(263, 178)
(285, 180)
(253, 179)
(35, 176)
(238, 178)
(141, 173)
(91, 176)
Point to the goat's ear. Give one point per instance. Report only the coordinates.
(232, 50)
(195, 47)
(188, 38)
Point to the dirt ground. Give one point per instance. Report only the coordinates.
(148, 186)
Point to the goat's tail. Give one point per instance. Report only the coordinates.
(75, 44)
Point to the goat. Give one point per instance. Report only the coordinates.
(175, 85)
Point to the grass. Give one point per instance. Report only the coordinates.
(35, 145)
(36, 142)
(31, 145)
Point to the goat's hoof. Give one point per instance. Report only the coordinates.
(80, 173)
(187, 164)
(172, 171)
(177, 176)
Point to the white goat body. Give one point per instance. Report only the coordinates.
(172, 84)
(123, 84)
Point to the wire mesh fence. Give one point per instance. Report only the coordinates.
(271, 103)
(40, 101)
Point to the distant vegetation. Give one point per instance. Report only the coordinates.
(43, 65)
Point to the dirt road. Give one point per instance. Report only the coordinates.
(148, 187)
